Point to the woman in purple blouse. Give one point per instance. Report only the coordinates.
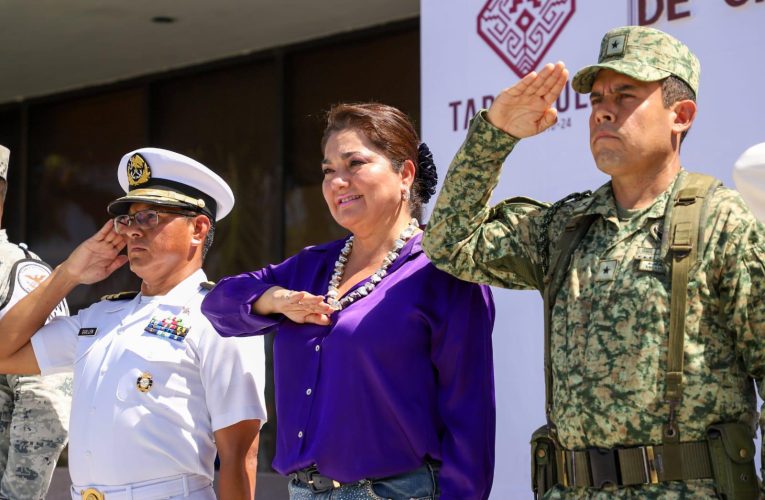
(383, 363)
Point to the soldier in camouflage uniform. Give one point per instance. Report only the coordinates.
(34, 410)
(610, 322)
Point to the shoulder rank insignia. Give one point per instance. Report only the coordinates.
(120, 296)
(207, 285)
(606, 270)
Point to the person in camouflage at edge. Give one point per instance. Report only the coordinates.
(34, 410)
(610, 322)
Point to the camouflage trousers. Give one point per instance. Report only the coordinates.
(34, 423)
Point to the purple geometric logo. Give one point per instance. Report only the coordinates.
(522, 31)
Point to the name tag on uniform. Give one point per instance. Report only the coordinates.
(649, 259)
(87, 332)
(652, 266)
(648, 253)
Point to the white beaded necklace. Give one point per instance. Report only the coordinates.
(377, 276)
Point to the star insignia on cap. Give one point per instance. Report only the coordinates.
(138, 170)
(615, 45)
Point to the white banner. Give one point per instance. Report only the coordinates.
(471, 49)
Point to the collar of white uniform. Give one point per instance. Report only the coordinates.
(181, 292)
(178, 296)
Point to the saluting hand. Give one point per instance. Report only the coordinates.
(300, 307)
(526, 108)
(97, 257)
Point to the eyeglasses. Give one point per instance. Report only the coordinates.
(144, 219)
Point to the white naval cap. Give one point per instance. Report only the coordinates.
(5, 155)
(749, 176)
(162, 177)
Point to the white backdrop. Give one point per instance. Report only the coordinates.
(461, 70)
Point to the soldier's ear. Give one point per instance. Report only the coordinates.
(685, 113)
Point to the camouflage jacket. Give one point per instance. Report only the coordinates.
(610, 322)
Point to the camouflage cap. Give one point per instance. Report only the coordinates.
(5, 155)
(645, 54)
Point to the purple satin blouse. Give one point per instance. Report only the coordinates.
(400, 375)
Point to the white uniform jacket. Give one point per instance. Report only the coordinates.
(145, 406)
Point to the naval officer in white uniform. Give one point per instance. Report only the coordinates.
(156, 389)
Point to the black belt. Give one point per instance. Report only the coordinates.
(599, 467)
(316, 482)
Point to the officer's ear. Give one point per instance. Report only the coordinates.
(201, 228)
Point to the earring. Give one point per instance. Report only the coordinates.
(405, 195)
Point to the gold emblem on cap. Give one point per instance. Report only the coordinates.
(138, 171)
(144, 382)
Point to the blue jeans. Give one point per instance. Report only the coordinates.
(419, 484)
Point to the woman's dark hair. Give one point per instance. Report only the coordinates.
(390, 131)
